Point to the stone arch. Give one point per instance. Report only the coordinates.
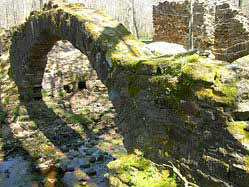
(104, 41)
(172, 108)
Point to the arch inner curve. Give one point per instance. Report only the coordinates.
(105, 42)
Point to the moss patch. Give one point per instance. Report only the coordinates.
(199, 71)
(220, 93)
(135, 170)
(247, 163)
(133, 87)
(236, 128)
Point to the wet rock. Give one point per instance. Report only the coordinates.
(82, 149)
(72, 154)
(64, 148)
(70, 168)
(92, 159)
(93, 143)
(73, 178)
(76, 163)
(100, 157)
(64, 164)
(90, 151)
(85, 165)
(15, 171)
(134, 170)
(91, 172)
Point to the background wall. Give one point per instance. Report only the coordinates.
(135, 14)
(205, 25)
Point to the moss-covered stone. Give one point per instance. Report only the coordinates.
(135, 170)
(182, 103)
(200, 72)
(247, 163)
(238, 130)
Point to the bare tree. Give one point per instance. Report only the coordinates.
(136, 15)
(41, 3)
(134, 20)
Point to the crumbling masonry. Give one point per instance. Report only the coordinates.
(205, 25)
(182, 109)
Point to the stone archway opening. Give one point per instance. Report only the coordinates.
(69, 76)
(82, 105)
(67, 71)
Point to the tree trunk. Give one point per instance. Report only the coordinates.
(41, 3)
(134, 18)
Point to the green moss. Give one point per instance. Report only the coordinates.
(135, 170)
(192, 58)
(133, 90)
(190, 78)
(133, 87)
(75, 5)
(206, 158)
(224, 94)
(3, 116)
(100, 12)
(236, 128)
(228, 92)
(199, 72)
(247, 163)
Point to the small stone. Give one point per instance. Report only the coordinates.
(246, 128)
(91, 172)
(92, 159)
(93, 143)
(72, 154)
(70, 168)
(81, 176)
(63, 164)
(85, 165)
(100, 157)
(90, 151)
(81, 161)
(64, 148)
(190, 108)
(70, 179)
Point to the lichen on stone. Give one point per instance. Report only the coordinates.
(247, 163)
(237, 130)
(135, 170)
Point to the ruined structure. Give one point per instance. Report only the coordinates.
(98, 36)
(205, 25)
(186, 109)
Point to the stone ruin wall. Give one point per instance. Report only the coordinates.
(219, 27)
(171, 22)
(231, 33)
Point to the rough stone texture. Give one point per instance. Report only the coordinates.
(231, 33)
(186, 109)
(171, 22)
(217, 26)
(188, 112)
(16, 172)
(68, 70)
(94, 33)
(5, 36)
(135, 170)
